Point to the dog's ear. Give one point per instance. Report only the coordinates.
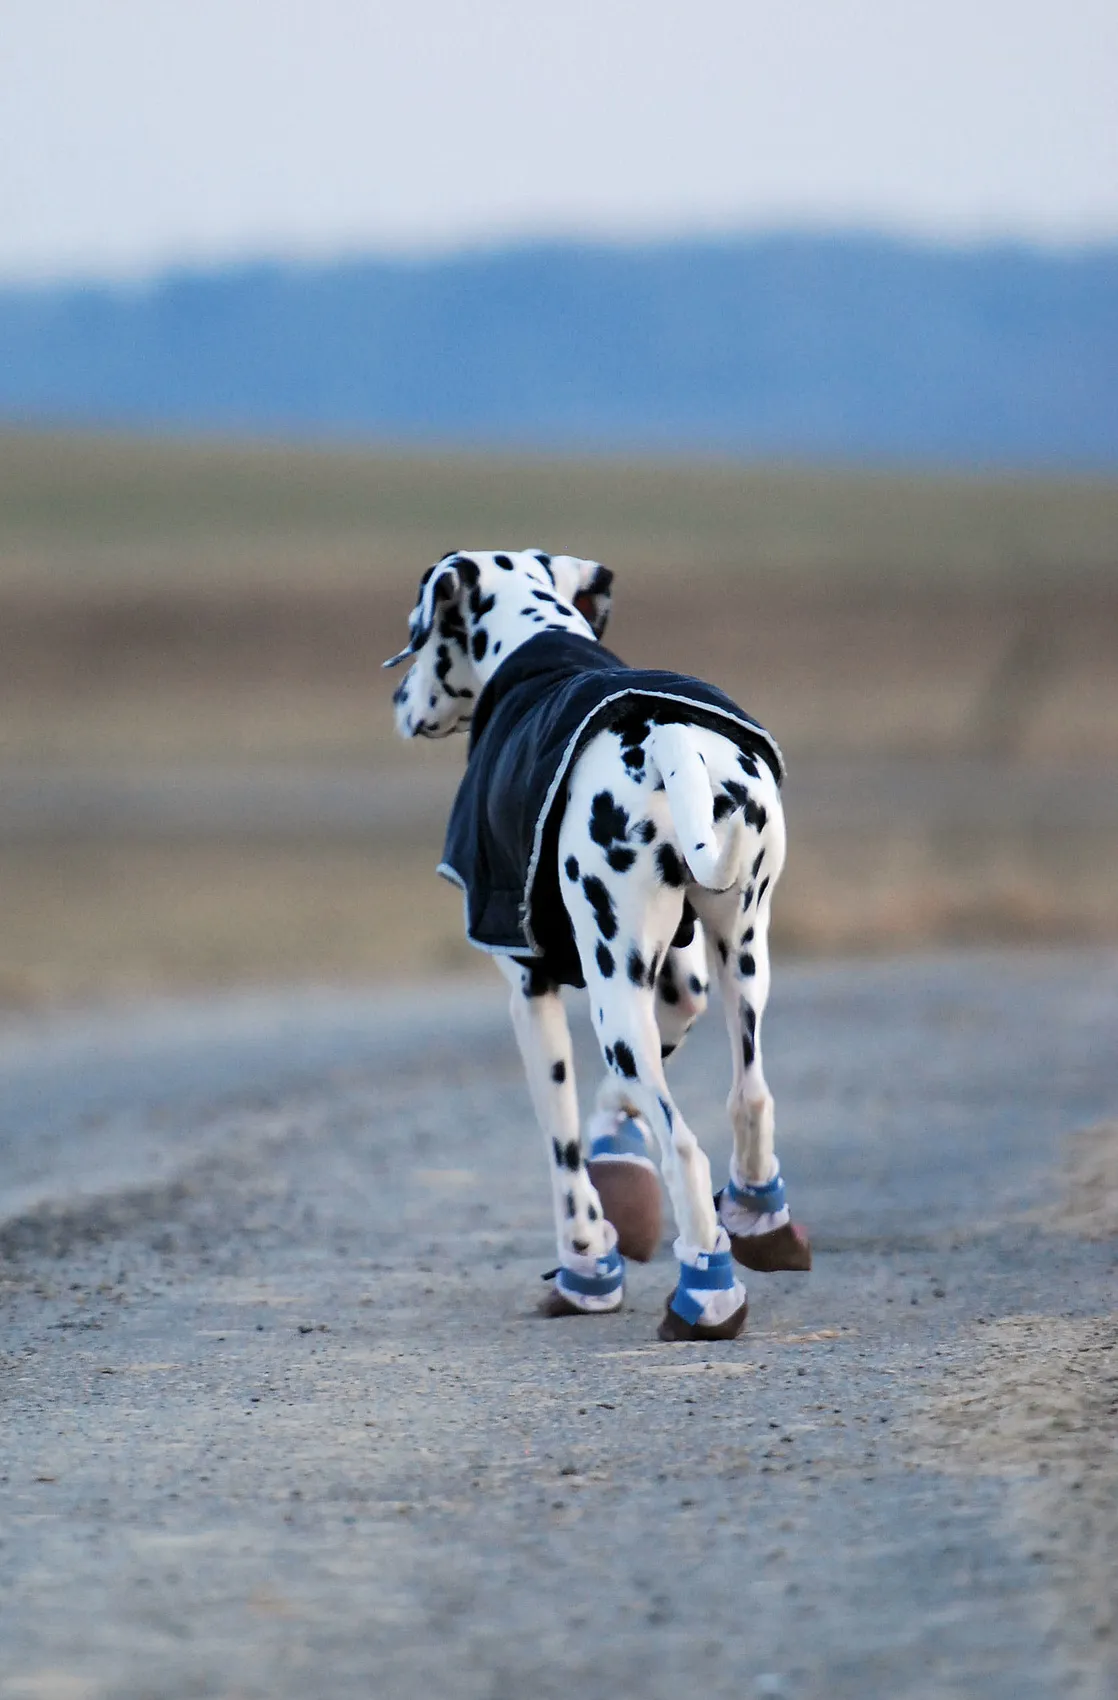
(440, 584)
(587, 586)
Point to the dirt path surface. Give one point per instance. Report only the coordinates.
(279, 1420)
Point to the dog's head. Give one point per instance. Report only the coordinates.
(473, 609)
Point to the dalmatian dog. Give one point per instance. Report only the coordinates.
(614, 827)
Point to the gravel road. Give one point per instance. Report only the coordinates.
(279, 1418)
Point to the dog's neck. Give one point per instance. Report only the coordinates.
(500, 623)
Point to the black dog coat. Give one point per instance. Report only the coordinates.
(538, 711)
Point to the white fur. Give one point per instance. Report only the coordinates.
(644, 994)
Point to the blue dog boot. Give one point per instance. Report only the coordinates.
(709, 1302)
(625, 1179)
(586, 1286)
(762, 1234)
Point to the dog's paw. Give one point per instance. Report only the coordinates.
(674, 1327)
(628, 1185)
(786, 1247)
(585, 1286)
(709, 1302)
(762, 1234)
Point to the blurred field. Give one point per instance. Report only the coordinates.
(198, 779)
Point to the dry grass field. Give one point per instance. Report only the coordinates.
(938, 657)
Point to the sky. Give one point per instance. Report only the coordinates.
(140, 135)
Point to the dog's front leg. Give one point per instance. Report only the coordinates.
(590, 1276)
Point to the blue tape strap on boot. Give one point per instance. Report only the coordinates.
(716, 1276)
(685, 1306)
(626, 1140)
(608, 1278)
(762, 1200)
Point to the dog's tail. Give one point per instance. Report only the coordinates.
(691, 801)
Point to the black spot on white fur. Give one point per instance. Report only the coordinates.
(748, 1034)
(755, 813)
(633, 727)
(635, 967)
(624, 1060)
(479, 643)
(559, 1072)
(603, 956)
(601, 902)
(685, 932)
(608, 820)
(672, 869)
(571, 866)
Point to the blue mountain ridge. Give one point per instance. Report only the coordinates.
(848, 347)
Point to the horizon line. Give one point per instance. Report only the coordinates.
(311, 258)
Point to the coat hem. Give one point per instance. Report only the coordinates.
(515, 950)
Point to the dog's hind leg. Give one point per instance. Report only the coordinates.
(620, 1166)
(752, 1206)
(682, 990)
(708, 1303)
(590, 1276)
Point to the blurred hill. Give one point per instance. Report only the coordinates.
(837, 347)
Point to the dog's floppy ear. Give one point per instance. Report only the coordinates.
(587, 586)
(440, 583)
